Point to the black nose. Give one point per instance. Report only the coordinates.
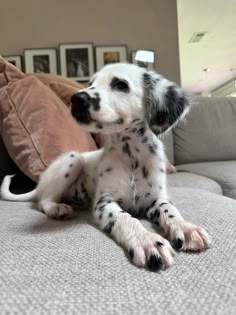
(80, 107)
(81, 98)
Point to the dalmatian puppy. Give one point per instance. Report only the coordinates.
(127, 178)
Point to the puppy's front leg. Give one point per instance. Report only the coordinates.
(145, 249)
(182, 234)
(55, 181)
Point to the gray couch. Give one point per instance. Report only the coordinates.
(50, 267)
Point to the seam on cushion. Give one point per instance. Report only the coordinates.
(39, 156)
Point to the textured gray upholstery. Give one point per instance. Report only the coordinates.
(184, 179)
(208, 133)
(50, 267)
(223, 172)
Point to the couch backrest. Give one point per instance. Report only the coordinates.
(208, 133)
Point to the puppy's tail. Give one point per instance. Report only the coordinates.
(7, 195)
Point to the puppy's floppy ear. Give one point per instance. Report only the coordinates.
(165, 102)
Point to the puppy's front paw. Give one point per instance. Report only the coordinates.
(183, 235)
(58, 211)
(187, 236)
(151, 251)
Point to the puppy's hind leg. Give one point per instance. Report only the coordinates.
(55, 181)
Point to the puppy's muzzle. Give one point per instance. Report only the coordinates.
(80, 103)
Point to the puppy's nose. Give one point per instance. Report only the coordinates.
(80, 107)
(81, 99)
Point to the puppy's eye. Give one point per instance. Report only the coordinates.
(90, 83)
(120, 85)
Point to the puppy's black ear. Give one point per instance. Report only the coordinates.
(165, 102)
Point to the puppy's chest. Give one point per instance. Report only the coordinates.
(132, 171)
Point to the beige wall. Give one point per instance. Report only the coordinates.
(150, 24)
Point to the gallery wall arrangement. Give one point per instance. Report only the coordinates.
(77, 61)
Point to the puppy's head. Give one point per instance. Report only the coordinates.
(121, 93)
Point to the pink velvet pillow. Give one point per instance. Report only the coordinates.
(35, 125)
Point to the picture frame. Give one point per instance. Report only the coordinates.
(110, 54)
(16, 60)
(42, 60)
(143, 64)
(77, 61)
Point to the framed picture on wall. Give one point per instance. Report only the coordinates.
(110, 54)
(41, 60)
(144, 61)
(15, 60)
(77, 61)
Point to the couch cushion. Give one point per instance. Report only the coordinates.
(36, 126)
(208, 133)
(51, 267)
(222, 172)
(184, 179)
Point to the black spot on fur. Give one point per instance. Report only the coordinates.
(99, 126)
(171, 216)
(125, 138)
(101, 174)
(154, 263)
(145, 172)
(165, 210)
(154, 215)
(95, 101)
(84, 192)
(110, 215)
(131, 253)
(134, 163)
(126, 149)
(67, 175)
(144, 139)
(119, 121)
(161, 170)
(101, 207)
(109, 169)
(177, 243)
(163, 203)
(152, 148)
(153, 204)
(159, 243)
(109, 227)
(147, 194)
(71, 165)
(72, 155)
(150, 206)
(90, 83)
(135, 120)
(100, 216)
(141, 131)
